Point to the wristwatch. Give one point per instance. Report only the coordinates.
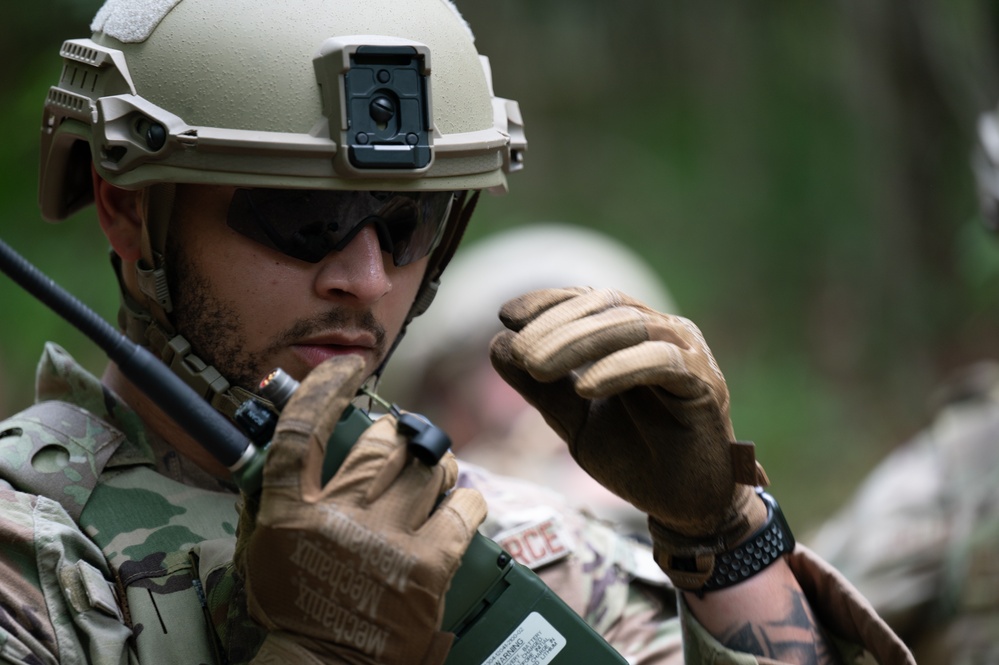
(767, 545)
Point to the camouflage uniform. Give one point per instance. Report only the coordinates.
(117, 550)
(920, 538)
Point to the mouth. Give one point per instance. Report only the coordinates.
(314, 352)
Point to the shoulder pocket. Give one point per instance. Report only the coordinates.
(57, 450)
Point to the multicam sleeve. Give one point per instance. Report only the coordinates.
(56, 601)
(647, 631)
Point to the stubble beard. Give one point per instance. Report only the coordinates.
(216, 334)
(212, 326)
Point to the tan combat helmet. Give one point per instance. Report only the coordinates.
(377, 95)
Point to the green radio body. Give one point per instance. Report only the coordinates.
(500, 611)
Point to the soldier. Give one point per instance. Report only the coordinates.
(282, 184)
(920, 537)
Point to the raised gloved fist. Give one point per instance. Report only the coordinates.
(354, 571)
(644, 409)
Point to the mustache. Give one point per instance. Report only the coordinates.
(337, 318)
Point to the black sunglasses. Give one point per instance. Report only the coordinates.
(309, 224)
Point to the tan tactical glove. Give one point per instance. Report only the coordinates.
(640, 401)
(356, 571)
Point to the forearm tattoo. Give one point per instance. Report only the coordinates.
(794, 638)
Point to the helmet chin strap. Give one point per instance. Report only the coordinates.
(175, 351)
(146, 321)
(150, 270)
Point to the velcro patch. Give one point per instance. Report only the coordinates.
(537, 543)
(86, 589)
(131, 22)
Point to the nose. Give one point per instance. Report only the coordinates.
(357, 271)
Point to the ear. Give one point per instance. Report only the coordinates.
(120, 214)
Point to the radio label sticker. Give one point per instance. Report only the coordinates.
(533, 642)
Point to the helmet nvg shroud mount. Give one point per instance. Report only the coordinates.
(313, 94)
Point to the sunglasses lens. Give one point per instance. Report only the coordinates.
(309, 224)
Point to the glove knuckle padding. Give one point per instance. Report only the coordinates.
(646, 364)
(562, 348)
(518, 312)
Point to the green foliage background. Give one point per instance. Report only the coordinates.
(798, 173)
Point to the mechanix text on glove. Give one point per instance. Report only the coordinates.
(354, 571)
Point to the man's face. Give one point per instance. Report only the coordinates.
(248, 309)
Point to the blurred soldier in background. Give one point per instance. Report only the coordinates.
(920, 538)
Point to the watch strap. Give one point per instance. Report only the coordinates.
(768, 544)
